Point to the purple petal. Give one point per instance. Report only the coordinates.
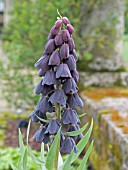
(70, 28)
(53, 127)
(64, 51)
(65, 20)
(49, 78)
(54, 58)
(74, 54)
(74, 100)
(71, 44)
(42, 63)
(58, 97)
(54, 30)
(75, 75)
(50, 46)
(69, 116)
(63, 71)
(71, 62)
(58, 23)
(65, 35)
(58, 39)
(70, 86)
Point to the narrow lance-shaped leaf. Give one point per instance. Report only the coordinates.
(79, 116)
(42, 156)
(28, 130)
(13, 166)
(21, 144)
(43, 120)
(84, 160)
(25, 159)
(51, 157)
(77, 132)
(38, 161)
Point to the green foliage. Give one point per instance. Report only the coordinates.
(53, 155)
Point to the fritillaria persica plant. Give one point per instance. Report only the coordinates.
(59, 97)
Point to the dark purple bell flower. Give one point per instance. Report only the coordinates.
(74, 100)
(50, 46)
(54, 59)
(50, 36)
(40, 135)
(53, 127)
(71, 62)
(63, 71)
(58, 97)
(44, 105)
(42, 63)
(41, 73)
(70, 28)
(65, 20)
(58, 23)
(54, 30)
(71, 44)
(70, 86)
(69, 116)
(68, 145)
(49, 78)
(74, 54)
(65, 35)
(58, 39)
(64, 51)
(75, 75)
(75, 127)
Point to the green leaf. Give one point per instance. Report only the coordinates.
(21, 144)
(84, 160)
(28, 130)
(77, 132)
(13, 166)
(42, 156)
(67, 165)
(79, 116)
(19, 163)
(81, 145)
(43, 120)
(52, 154)
(25, 159)
(38, 161)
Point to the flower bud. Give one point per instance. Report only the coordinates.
(58, 23)
(71, 62)
(71, 44)
(58, 40)
(70, 28)
(54, 30)
(64, 51)
(50, 46)
(65, 35)
(65, 20)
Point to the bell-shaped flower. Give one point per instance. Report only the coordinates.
(49, 78)
(75, 75)
(65, 20)
(40, 135)
(71, 62)
(64, 51)
(54, 59)
(70, 28)
(58, 23)
(63, 71)
(68, 145)
(54, 30)
(74, 100)
(58, 97)
(44, 105)
(50, 46)
(53, 127)
(42, 63)
(71, 44)
(70, 86)
(36, 113)
(65, 35)
(58, 39)
(69, 116)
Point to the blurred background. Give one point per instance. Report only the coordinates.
(101, 38)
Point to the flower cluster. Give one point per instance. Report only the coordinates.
(58, 88)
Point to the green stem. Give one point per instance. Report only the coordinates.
(58, 113)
